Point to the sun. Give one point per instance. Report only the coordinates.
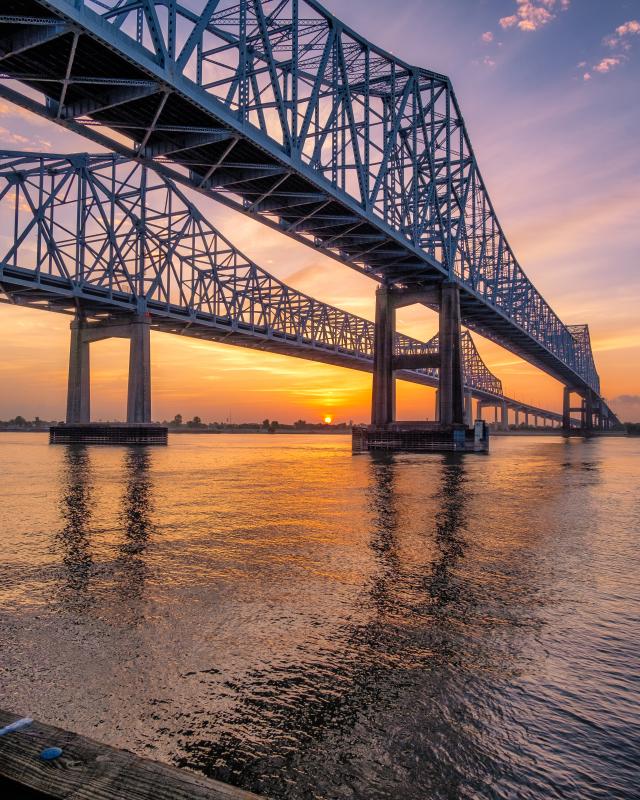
(328, 419)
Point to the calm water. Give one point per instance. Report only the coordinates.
(278, 614)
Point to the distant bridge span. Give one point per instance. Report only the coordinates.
(111, 237)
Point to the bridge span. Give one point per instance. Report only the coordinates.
(278, 109)
(124, 250)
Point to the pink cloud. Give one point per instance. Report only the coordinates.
(530, 16)
(487, 37)
(620, 37)
(607, 64)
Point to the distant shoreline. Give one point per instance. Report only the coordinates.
(201, 432)
(317, 432)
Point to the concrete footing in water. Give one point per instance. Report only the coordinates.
(107, 433)
(417, 437)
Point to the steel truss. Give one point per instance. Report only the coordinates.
(111, 236)
(278, 109)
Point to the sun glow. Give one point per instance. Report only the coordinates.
(328, 419)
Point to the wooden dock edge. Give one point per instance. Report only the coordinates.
(88, 770)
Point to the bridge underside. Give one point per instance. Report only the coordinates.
(100, 308)
(18, 288)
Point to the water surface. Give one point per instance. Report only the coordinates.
(278, 614)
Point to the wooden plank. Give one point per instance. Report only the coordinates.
(88, 770)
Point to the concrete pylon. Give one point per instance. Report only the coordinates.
(79, 385)
(383, 395)
(468, 409)
(588, 410)
(137, 330)
(139, 393)
(451, 391)
(504, 417)
(566, 408)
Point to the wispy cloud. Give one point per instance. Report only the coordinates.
(487, 36)
(620, 40)
(621, 37)
(607, 64)
(530, 16)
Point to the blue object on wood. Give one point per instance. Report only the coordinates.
(49, 753)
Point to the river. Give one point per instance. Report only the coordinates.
(278, 614)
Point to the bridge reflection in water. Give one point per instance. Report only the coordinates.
(272, 612)
(83, 538)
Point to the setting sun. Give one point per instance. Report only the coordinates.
(328, 419)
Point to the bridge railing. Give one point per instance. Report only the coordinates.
(111, 226)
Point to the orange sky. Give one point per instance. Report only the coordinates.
(564, 180)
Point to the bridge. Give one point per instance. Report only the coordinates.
(299, 122)
(125, 251)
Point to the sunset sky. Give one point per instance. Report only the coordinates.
(550, 91)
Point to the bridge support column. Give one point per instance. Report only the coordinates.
(566, 408)
(451, 380)
(517, 413)
(383, 397)
(79, 386)
(504, 417)
(468, 409)
(137, 330)
(588, 411)
(139, 393)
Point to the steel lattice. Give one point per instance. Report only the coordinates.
(113, 234)
(278, 109)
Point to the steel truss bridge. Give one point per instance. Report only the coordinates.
(279, 110)
(111, 236)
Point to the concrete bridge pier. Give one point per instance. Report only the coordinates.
(588, 410)
(566, 408)
(78, 385)
(383, 399)
(137, 329)
(468, 409)
(454, 406)
(451, 392)
(504, 417)
(139, 391)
